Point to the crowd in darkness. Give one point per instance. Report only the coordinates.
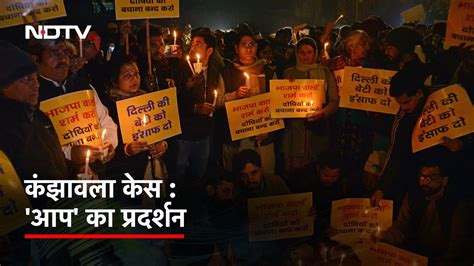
(335, 152)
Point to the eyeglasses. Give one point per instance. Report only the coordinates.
(429, 178)
(129, 75)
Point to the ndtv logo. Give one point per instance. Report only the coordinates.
(52, 32)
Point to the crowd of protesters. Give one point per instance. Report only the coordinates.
(335, 153)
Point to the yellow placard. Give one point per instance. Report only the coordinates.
(339, 77)
(368, 89)
(251, 116)
(13, 199)
(136, 9)
(150, 117)
(382, 254)
(414, 14)
(460, 27)
(74, 117)
(355, 218)
(296, 99)
(447, 112)
(11, 11)
(280, 217)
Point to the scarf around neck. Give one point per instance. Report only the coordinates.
(117, 95)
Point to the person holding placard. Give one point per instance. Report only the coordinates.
(53, 60)
(409, 91)
(244, 77)
(434, 221)
(353, 130)
(305, 139)
(201, 97)
(131, 157)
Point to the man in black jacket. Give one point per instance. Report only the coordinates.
(26, 135)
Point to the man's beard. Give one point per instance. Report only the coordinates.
(427, 191)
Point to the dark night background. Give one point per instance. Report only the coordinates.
(266, 15)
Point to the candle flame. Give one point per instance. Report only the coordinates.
(187, 57)
(144, 120)
(174, 33)
(88, 154)
(103, 133)
(198, 56)
(246, 75)
(215, 93)
(326, 45)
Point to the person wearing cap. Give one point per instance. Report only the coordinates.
(27, 137)
(53, 60)
(400, 49)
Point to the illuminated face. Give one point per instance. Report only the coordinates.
(252, 177)
(392, 53)
(306, 54)
(329, 176)
(198, 46)
(361, 49)
(431, 181)
(246, 50)
(23, 90)
(54, 62)
(157, 44)
(129, 78)
(409, 103)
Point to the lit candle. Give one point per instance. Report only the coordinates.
(311, 103)
(86, 168)
(343, 256)
(214, 102)
(198, 65)
(215, 98)
(190, 66)
(144, 121)
(80, 47)
(326, 53)
(174, 34)
(339, 18)
(247, 81)
(102, 137)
